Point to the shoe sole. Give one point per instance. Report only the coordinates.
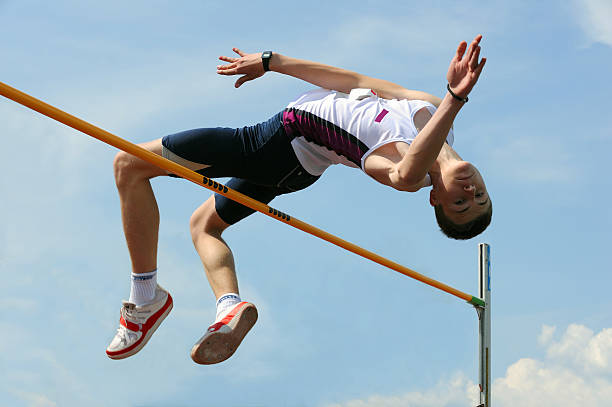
(145, 338)
(215, 347)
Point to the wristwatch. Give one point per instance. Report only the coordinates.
(265, 59)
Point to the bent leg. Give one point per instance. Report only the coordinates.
(208, 223)
(206, 227)
(233, 320)
(139, 212)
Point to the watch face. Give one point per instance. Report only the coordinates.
(265, 58)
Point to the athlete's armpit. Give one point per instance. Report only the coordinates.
(384, 170)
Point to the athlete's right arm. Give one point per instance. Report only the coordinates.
(326, 76)
(330, 77)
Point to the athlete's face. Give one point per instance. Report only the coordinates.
(461, 192)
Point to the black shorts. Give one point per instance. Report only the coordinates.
(259, 159)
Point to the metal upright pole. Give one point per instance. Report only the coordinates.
(484, 325)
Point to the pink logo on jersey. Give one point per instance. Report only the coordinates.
(381, 115)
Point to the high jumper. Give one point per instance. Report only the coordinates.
(401, 138)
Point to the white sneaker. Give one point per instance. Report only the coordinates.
(223, 337)
(137, 324)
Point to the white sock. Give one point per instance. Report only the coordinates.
(143, 287)
(225, 303)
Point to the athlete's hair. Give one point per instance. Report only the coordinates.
(466, 230)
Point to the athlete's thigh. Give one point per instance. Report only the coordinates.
(230, 211)
(214, 149)
(261, 153)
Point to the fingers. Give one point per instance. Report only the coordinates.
(228, 59)
(237, 51)
(471, 50)
(473, 47)
(461, 50)
(473, 62)
(242, 80)
(228, 66)
(473, 54)
(231, 68)
(230, 71)
(475, 43)
(481, 65)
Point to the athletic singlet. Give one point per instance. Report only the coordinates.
(329, 127)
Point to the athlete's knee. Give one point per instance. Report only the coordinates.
(205, 220)
(124, 168)
(128, 168)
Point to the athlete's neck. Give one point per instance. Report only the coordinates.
(446, 156)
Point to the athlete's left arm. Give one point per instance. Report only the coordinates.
(326, 76)
(382, 169)
(462, 75)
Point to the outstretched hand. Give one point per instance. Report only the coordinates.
(464, 70)
(248, 65)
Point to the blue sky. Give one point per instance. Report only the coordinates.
(334, 329)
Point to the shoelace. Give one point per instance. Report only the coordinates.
(124, 334)
(133, 315)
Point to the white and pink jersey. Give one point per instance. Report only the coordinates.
(329, 127)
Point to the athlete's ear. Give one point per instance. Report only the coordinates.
(433, 199)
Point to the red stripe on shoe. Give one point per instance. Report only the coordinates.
(145, 328)
(230, 315)
(226, 320)
(129, 325)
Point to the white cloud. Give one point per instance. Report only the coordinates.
(579, 345)
(530, 382)
(572, 344)
(577, 371)
(547, 334)
(594, 16)
(599, 350)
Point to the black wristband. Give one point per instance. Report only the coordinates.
(455, 96)
(265, 59)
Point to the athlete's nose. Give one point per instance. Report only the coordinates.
(469, 188)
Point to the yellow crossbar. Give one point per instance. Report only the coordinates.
(106, 137)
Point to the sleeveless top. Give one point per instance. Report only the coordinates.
(327, 127)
